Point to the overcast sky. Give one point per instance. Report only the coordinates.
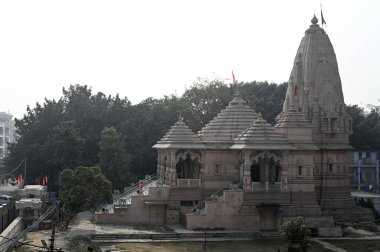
(155, 48)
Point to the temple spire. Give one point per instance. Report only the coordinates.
(314, 20)
(314, 83)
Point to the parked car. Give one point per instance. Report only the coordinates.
(6, 198)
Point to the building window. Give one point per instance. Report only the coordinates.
(1, 141)
(217, 169)
(316, 170)
(1, 152)
(7, 131)
(299, 167)
(330, 167)
(300, 170)
(1, 131)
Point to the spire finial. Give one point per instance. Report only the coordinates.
(237, 93)
(180, 117)
(314, 20)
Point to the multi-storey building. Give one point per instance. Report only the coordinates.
(364, 170)
(7, 132)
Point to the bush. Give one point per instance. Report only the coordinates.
(296, 234)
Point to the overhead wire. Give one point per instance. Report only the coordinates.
(28, 244)
(39, 220)
(10, 172)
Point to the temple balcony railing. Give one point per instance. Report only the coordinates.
(189, 183)
(266, 186)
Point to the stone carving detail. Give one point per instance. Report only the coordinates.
(187, 153)
(266, 154)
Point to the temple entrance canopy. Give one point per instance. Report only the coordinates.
(262, 148)
(187, 167)
(266, 168)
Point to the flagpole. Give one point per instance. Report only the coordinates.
(321, 16)
(323, 21)
(25, 172)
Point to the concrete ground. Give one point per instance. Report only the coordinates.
(83, 225)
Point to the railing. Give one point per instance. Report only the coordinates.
(188, 183)
(266, 186)
(133, 188)
(218, 193)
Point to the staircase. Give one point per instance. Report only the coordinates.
(124, 198)
(216, 196)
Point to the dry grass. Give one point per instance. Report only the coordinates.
(357, 245)
(241, 246)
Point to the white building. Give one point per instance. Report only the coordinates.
(364, 170)
(7, 132)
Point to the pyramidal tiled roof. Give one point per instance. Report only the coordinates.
(179, 136)
(180, 132)
(229, 123)
(292, 118)
(261, 135)
(261, 131)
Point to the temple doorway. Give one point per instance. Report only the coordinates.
(255, 173)
(188, 168)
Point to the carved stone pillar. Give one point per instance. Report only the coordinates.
(167, 168)
(172, 169)
(284, 170)
(247, 184)
(159, 164)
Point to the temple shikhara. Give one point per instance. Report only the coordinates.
(240, 172)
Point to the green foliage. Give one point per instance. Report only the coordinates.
(113, 158)
(65, 133)
(67, 145)
(203, 101)
(266, 98)
(83, 189)
(68, 133)
(295, 233)
(366, 127)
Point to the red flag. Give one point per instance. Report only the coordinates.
(233, 78)
(45, 181)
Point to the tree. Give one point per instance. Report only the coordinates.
(67, 145)
(147, 123)
(296, 234)
(42, 132)
(203, 101)
(113, 159)
(84, 189)
(67, 132)
(365, 126)
(33, 131)
(266, 98)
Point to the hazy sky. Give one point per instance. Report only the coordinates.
(154, 48)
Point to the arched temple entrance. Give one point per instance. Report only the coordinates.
(187, 168)
(266, 171)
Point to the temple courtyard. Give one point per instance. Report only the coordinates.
(83, 232)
